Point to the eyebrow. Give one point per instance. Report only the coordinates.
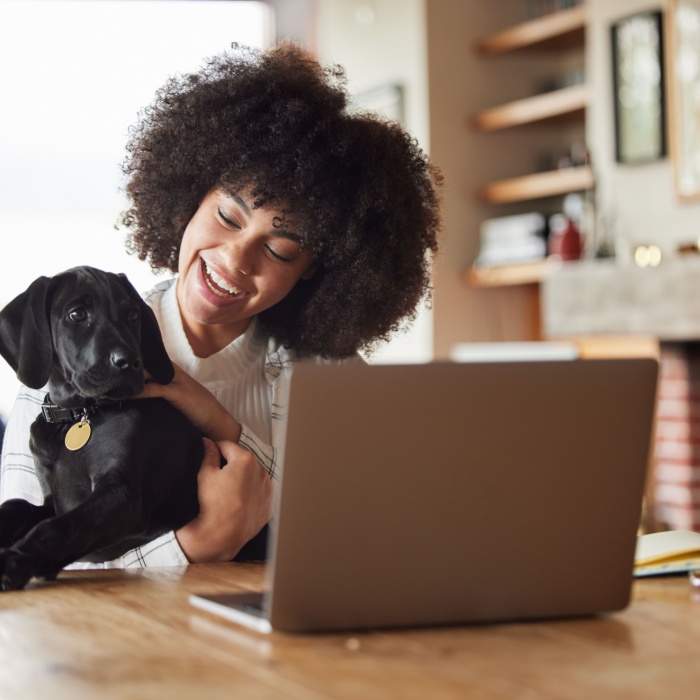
(246, 210)
(239, 200)
(281, 233)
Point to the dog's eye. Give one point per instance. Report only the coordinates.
(132, 316)
(78, 315)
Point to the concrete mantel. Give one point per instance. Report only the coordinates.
(593, 297)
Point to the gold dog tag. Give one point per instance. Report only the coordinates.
(78, 435)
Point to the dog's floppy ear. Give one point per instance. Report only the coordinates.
(25, 334)
(155, 357)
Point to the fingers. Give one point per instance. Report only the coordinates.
(178, 373)
(151, 390)
(212, 456)
(245, 470)
(232, 450)
(235, 503)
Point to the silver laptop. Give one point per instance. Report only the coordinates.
(454, 493)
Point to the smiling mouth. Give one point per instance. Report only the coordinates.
(218, 285)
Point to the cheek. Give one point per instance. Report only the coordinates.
(278, 283)
(188, 251)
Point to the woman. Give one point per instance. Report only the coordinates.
(297, 229)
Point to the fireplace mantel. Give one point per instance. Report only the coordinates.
(592, 297)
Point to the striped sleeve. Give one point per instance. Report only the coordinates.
(162, 551)
(264, 453)
(17, 474)
(18, 480)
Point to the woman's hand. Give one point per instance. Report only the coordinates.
(235, 503)
(197, 403)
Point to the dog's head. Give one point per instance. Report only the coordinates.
(87, 333)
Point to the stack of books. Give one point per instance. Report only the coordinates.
(508, 240)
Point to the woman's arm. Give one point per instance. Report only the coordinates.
(236, 499)
(235, 504)
(18, 478)
(198, 404)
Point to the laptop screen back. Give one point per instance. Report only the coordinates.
(450, 493)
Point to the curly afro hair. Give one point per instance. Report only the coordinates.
(279, 125)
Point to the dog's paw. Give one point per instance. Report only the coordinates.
(17, 518)
(16, 569)
(9, 531)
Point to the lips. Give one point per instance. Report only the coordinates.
(218, 285)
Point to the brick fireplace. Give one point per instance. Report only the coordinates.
(676, 458)
(597, 298)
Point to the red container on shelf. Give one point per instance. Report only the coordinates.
(564, 238)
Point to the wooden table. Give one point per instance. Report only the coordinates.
(132, 634)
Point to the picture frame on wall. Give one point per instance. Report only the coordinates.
(639, 88)
(683, 61)
(385, 100)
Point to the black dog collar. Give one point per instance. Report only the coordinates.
(57, 414)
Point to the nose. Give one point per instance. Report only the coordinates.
(125, 361)
(240, 254)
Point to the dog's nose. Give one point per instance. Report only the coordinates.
(124, 361)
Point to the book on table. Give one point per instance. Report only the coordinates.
(670, 552)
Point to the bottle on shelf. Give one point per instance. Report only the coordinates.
(564, 238)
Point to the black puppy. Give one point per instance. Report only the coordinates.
(115, 472)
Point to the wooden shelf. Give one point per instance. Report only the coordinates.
(560, 38)
(509, 275)
(538, 185)
(570, 102)
(564, 29)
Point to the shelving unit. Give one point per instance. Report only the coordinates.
(538, 185)
(509, 275)
(564, 104)
(557, 33)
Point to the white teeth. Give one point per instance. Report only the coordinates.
(211, 276)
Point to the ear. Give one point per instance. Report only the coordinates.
(155, 357)
(25, 334)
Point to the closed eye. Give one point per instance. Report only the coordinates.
(276, 255)
(225, 219)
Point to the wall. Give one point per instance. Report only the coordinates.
(70, 92)
(382, 42)
(295, 20)
(640, 199)
(461, 83)
(379, 42)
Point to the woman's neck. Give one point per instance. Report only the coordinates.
(207, 340)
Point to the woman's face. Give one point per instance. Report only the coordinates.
(233, 264)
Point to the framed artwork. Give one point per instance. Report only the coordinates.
(639, 86)
(683, 59)
(386, 100)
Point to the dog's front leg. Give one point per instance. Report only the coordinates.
(109, 514)
(18, 517)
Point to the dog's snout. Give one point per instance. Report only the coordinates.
(125, 361)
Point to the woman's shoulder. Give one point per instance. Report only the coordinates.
(280, 359)
(154, 296)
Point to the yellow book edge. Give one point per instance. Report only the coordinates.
(674, 551)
